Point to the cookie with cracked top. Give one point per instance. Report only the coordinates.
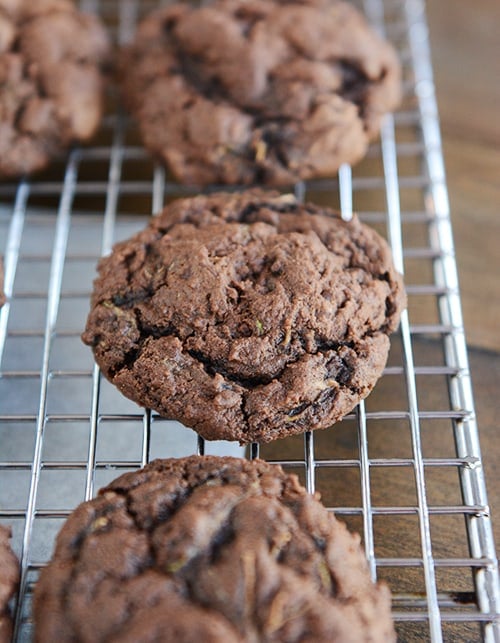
(246, 316)
(285, 90)
(208, 549)
(9, 580)
(51, 81)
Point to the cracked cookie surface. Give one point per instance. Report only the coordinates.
(288, 90)
(9, 580)
(51, 81)
(246, 316)
(208, 549)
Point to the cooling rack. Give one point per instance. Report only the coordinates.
(404, 469)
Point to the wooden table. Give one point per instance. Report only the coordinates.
(466, 56)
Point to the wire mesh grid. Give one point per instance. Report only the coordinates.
(404, 469)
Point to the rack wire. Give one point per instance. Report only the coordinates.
(404, 468)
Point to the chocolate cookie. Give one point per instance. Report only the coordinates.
(246, 316)
(50, 81)
(9, 579)
(287, 90)
(208, 549)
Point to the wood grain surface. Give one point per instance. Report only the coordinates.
(466, 58)
(466, 55)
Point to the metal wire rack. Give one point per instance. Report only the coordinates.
(64, 431)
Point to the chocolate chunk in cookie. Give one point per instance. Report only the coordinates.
(9, 580)
(259, 91)
(246, 316)
(208, 549)
(51, 81)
